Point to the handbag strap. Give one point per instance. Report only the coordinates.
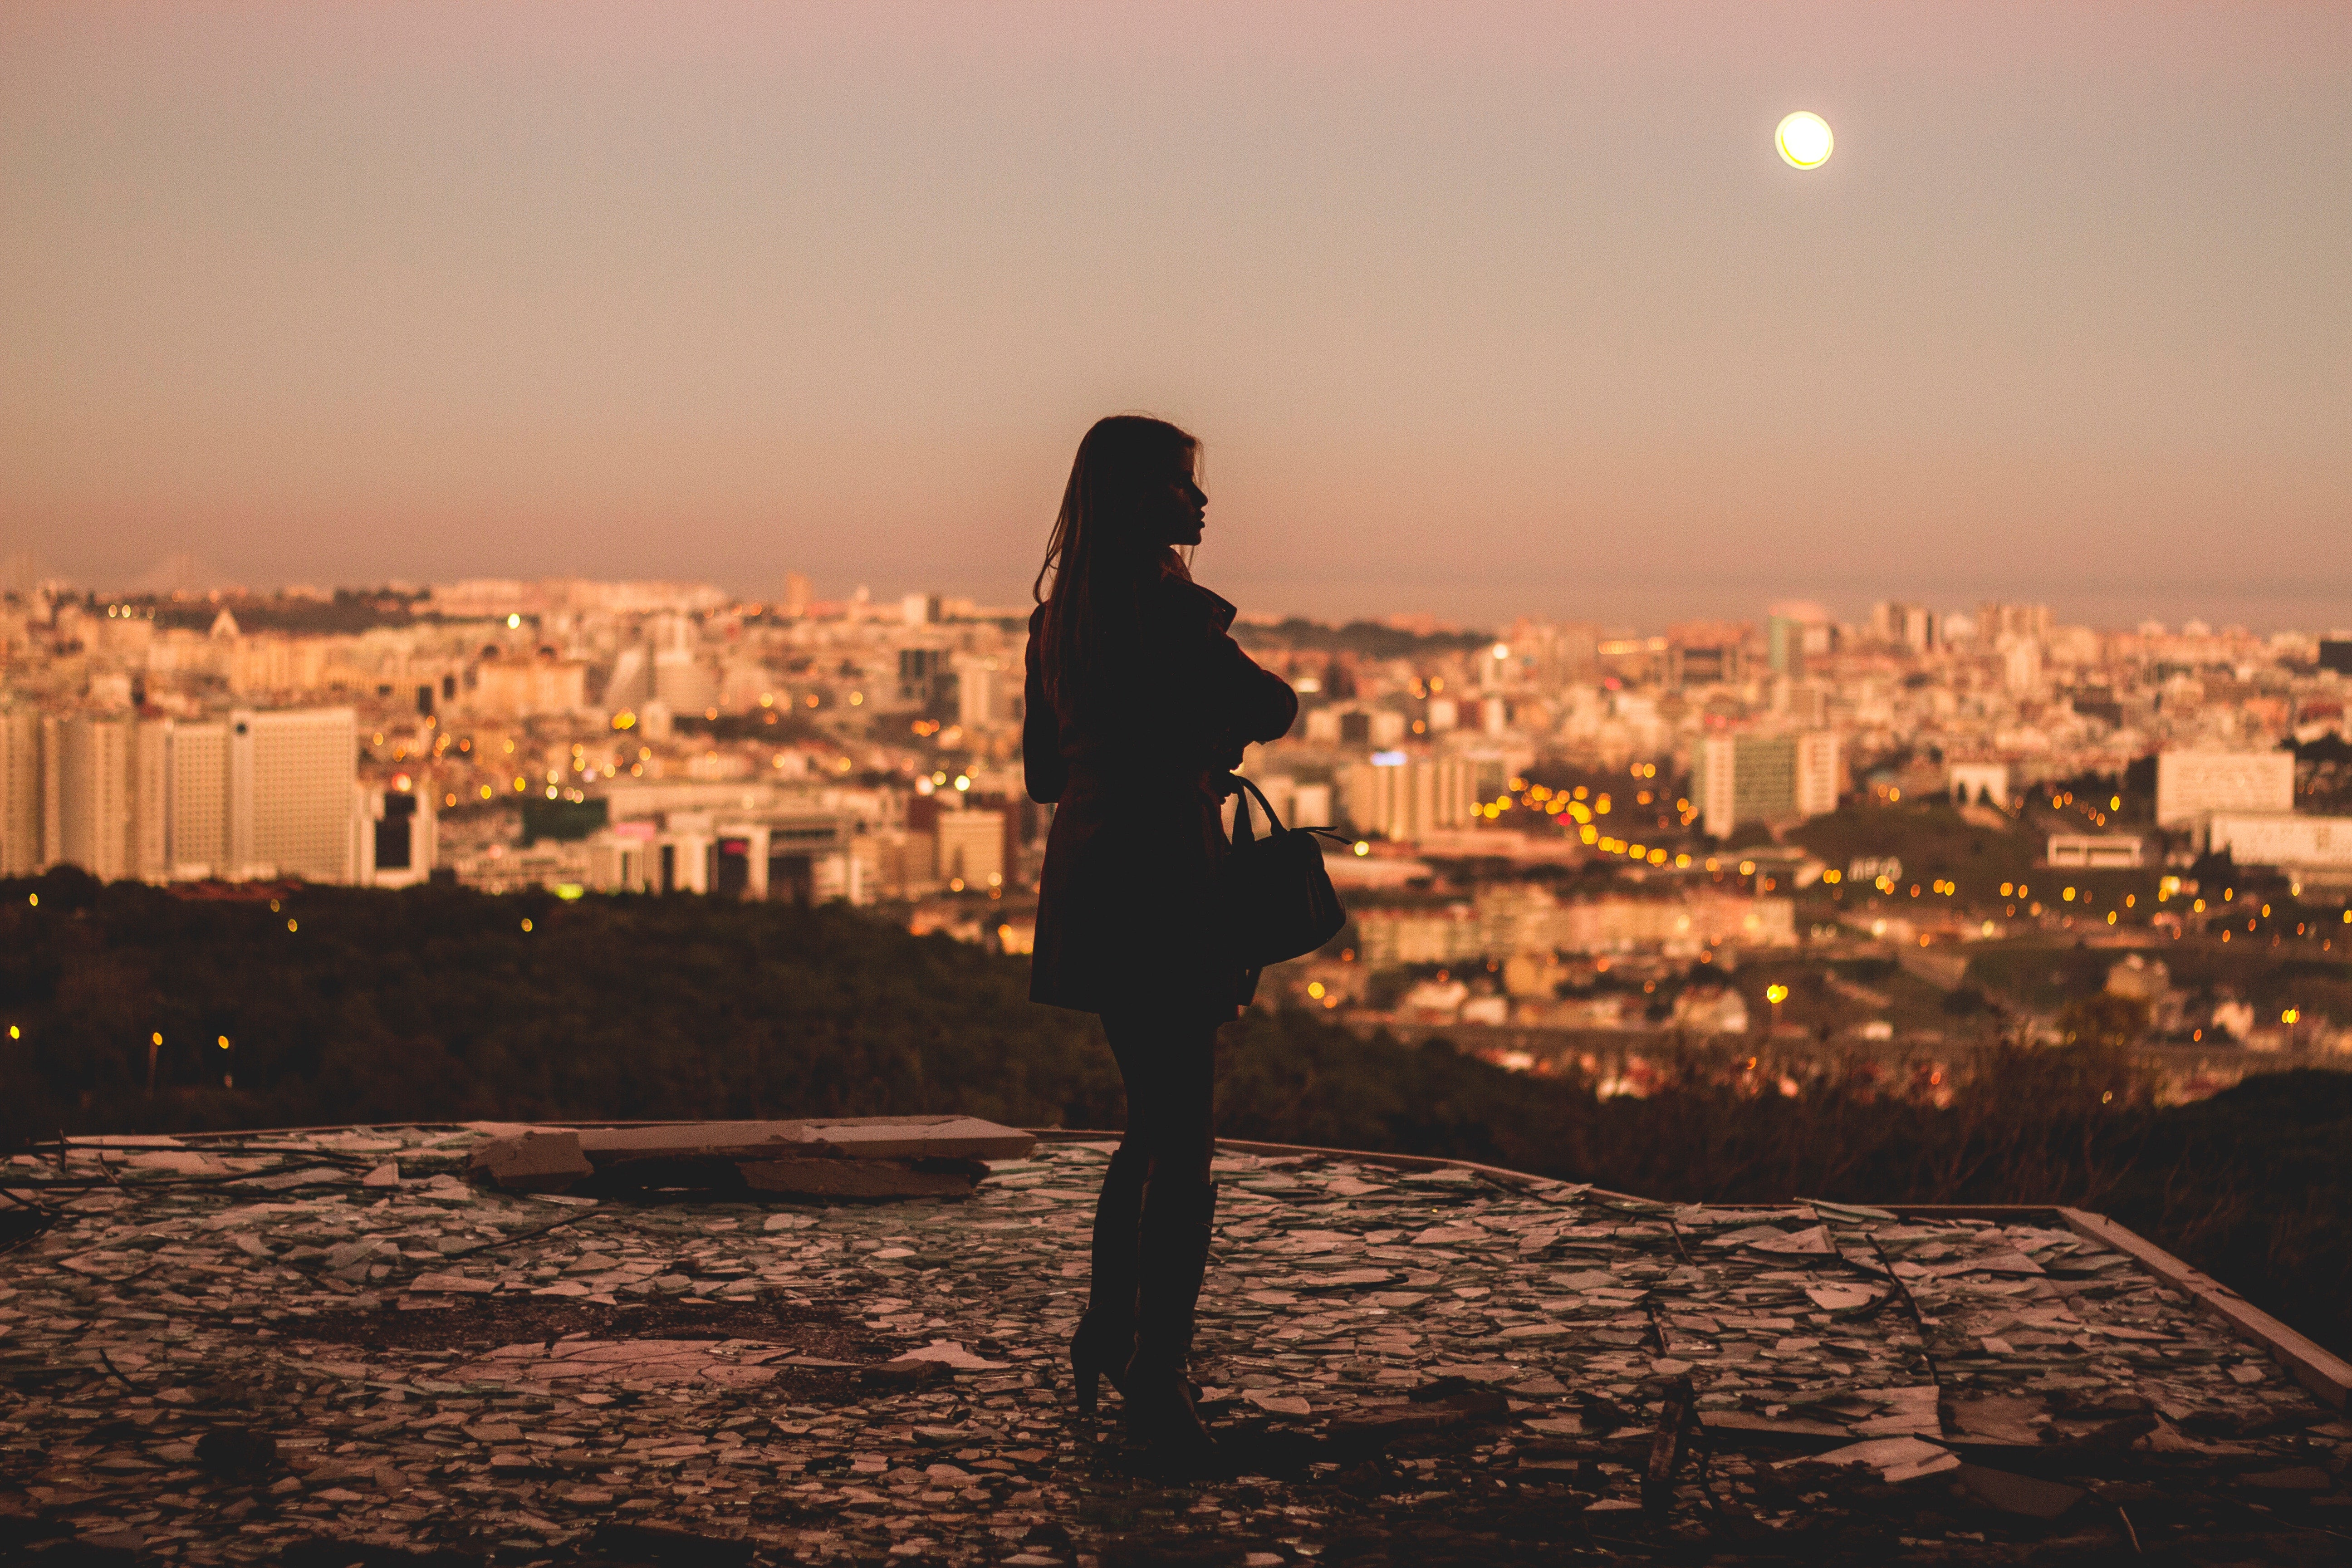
(1241, 789)
(1236, 786)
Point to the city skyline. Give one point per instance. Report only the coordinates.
(1523, 316)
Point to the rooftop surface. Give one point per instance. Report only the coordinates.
(324, 1348)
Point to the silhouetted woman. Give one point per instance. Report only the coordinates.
(1139, 705)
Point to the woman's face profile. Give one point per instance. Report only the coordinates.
(1178, 511)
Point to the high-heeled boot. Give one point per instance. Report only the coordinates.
(1104, 1339)
(1173, 1256)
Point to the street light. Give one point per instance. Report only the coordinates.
(1776, 995)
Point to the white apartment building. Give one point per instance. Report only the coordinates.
(1401, 798)
(1763, 778)
(293, 786)
(94, 805)
(20, 793)
(971, 847)
(988, 689)
(520, 687)
(2190, 784)
(2284, 840)
(151, 799)
(197, 813)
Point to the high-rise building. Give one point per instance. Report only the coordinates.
(20, 793)
(399, 837)
(796, 594)
(989, 690)
(196, 831)
(1763, 778)
(2020, 663)
(53, 789)
(1912, 625)
(151, 799)
(971, 847)
(1997, 621)
(923, 677)
(2190, 784)
(293, 794)
(1784, 641)
(1397, 797)
(94, 805)
(520, 687)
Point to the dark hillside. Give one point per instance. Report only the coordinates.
(439, 1004)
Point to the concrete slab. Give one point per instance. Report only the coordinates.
(853, 1137)
(532, 1162)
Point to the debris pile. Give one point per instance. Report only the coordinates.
(846, 1157)
(335, 1348)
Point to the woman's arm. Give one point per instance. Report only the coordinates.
(1260, 704)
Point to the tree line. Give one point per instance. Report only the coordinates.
(129, 1008)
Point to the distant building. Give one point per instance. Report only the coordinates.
(989, 690)
(1679, 927)
(2190, 784)
(2283, 839)
(522, 688)
(2093, 852)
(1357, 726)
(1791, 639)
(2335, 654)
(971, 849)
(1763, 778)
(20, 793)
(1722, 661)
(923, 677)
(399, 838)
(197, 810)
(293, 789)
(1997, 621)
(1908, 626)
(94, 815)
(1974, 784)
(151, 800)
(1399, 797)
(1711, 1010)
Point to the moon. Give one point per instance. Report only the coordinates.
(1804, 140)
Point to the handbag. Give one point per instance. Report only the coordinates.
(1277, 898)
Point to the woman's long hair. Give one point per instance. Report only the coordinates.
(1100, 555)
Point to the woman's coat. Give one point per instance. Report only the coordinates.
(1127, 903)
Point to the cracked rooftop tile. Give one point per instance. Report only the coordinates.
(232, 1349)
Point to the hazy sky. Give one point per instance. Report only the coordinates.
(1483, 310)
